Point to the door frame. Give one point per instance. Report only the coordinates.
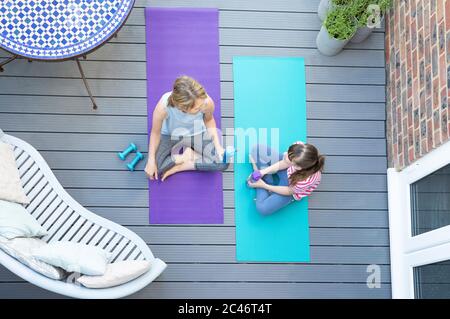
(408, 251)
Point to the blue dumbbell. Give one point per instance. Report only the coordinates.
(137, 158)
(124, 154)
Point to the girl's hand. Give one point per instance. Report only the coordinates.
(151, 169)
(258, 184)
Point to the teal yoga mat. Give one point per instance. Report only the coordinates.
(269, 93)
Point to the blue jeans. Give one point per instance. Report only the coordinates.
(267, 202)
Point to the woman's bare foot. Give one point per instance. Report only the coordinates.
(184, 162)
(177, 168)
(188, 154)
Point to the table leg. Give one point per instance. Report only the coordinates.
(10, 59)
(86, 84)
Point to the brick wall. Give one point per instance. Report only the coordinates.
(418, 78)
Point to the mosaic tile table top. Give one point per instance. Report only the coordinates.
(59, 29)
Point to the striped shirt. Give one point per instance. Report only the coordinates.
(306, 187)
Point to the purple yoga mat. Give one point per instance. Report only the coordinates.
(184, 42)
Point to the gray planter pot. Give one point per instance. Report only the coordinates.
(363, 33)
(328, 45)
(324, 7)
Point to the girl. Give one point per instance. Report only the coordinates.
(298, 170)
(184, 133)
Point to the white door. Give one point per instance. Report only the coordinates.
(419, 222)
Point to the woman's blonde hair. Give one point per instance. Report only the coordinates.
(185, 92)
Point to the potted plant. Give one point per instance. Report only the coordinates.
(337, 29)
(325, 5)
(367, 17)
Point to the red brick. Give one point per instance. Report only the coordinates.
(410, 136)
(405, 128)
(414, 63)
(433, 28)
(436, 120)
(411, 156)
(440, 9)
(410, 112)
(437, 139)
(415, 92)
(408, 57)
(434, 61)
(422, 104)
(444, 124)
(448, 124)
(441, 36)
(421, 44)
(428, 108)
(436, 93)
(427, 50)
(407, 27)
(444, 98)
(413, 34)
(447, 14)
(423, 147)
(447, 41)
(426, 17)
(419, 16)
(416, 144)
(413, 9)
(442, 71)
(405, 152)
(428, 83)
(429, 134)
(397, 65)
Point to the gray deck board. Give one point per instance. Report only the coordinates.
(137, 107)
(349, 57)
(46, 105)
(123, 179)
(136, 125)
(136, 70)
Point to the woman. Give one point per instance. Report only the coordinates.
(299, 171)
(184, 133)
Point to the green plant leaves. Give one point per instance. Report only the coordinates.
(345, 16)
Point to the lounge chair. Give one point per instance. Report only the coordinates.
(65, 219)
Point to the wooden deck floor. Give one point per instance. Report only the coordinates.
(46, 105)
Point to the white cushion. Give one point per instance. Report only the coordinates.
(10, 184)
(116, 274)
(74, 257)
(22, 249)
(15, 221)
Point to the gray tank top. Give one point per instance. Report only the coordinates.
(179, 123)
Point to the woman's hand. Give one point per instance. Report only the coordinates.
(220, 151)
(151, 169)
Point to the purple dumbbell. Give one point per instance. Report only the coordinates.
(256, 175)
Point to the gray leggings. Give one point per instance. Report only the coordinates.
(200, 143)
